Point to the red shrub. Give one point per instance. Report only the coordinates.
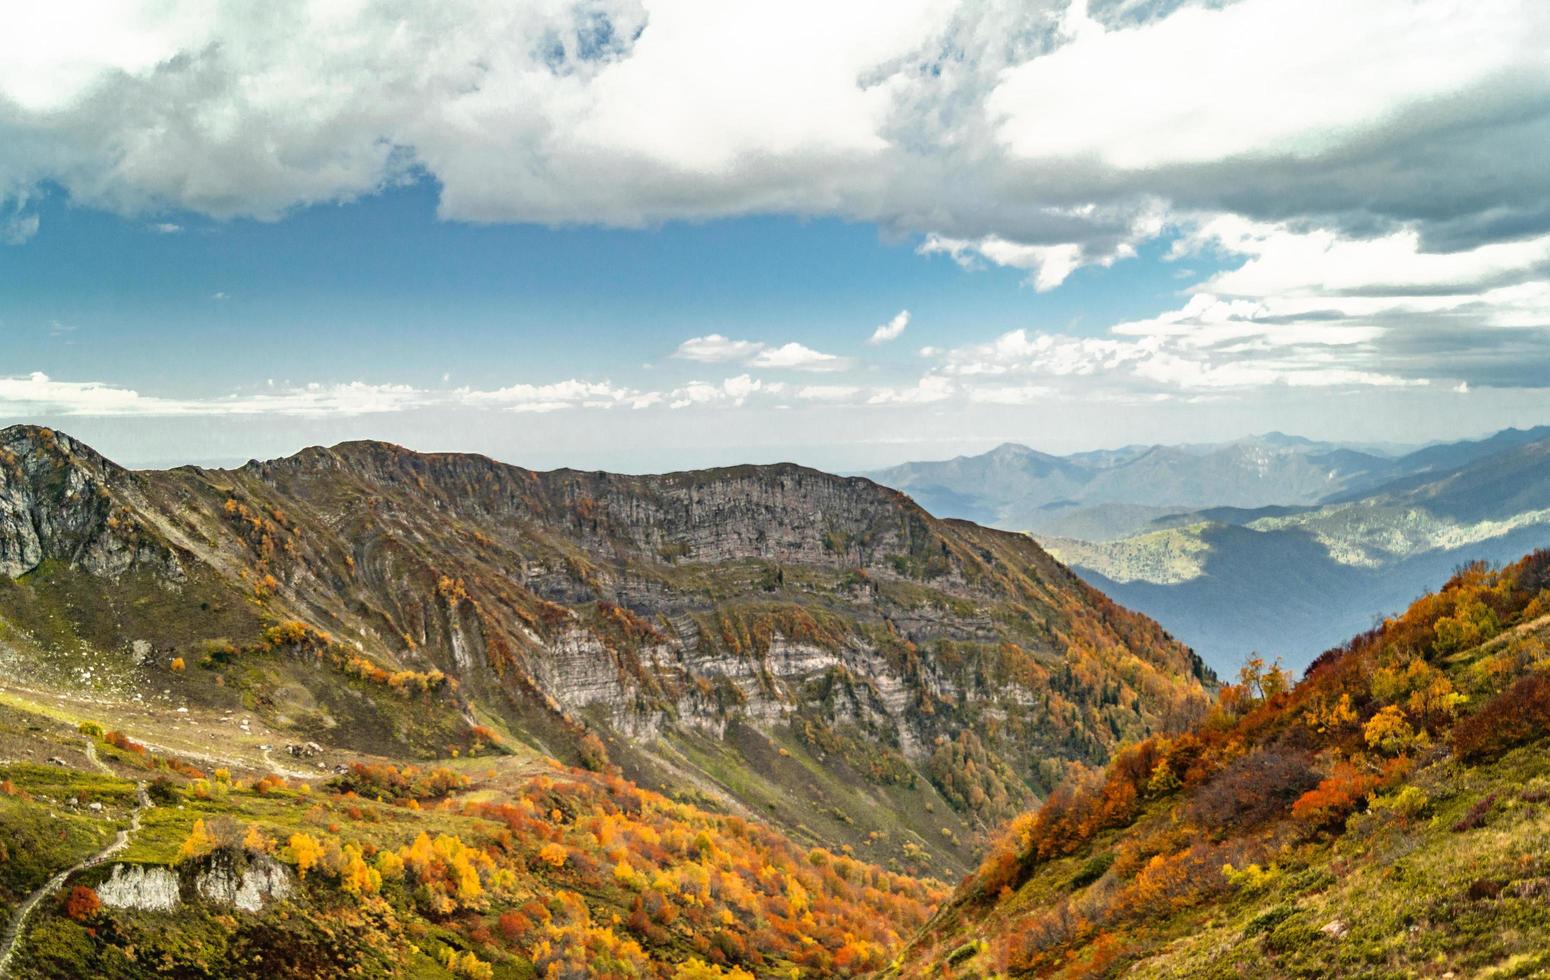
(1519, 714)
(82, 903)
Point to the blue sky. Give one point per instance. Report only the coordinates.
(381, 290)
(475, 226)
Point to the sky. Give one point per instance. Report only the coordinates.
(645, 235)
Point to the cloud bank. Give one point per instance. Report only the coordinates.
(1372, 171)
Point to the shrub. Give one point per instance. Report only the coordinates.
(162, 792)
(1254, 788)
(1269, 919)
(1336, 796)
(1517, 715)
(82, 904)
(123, 742)
(1475, 816)
(1388, 731)
(1094, 868)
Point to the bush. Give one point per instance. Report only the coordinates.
(1254, 788)
(123, 742)
(162, 792)
(1329, 803)
(1095, 868)
(1475, 816)
(1519, 714)
(1269, 919)
(82, 904)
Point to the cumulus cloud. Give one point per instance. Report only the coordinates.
(734, 391)
(559, 395)
(930, 388)
(715, 349)
(1001, 127)
(796, 357)
(828, 393)
(1371, 171)
(891, 330)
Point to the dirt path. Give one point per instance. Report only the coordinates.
(285, 771)
(17, 928)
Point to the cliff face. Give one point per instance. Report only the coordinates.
(59, 499)
(813, 649)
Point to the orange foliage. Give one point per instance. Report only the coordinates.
(82, 904)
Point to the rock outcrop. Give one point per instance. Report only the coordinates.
(248, 885)
(223, 879)
(147, 888)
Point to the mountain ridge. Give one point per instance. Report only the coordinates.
(814, 648)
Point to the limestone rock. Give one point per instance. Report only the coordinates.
(141, 887)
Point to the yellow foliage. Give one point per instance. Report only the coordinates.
(199, 843)
(697, 969)
(254, 841)
(307, 851)
(1388, 731)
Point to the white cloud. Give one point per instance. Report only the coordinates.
(18, 229)
(1013, 394)
(714, 349)
(796, 357)
(559, 395)
(38, 394)
(929, 389)
(1256, 78)
(735, 391)
(1165, 360)
(1048, 265)
(1011, 130)
(891, 330)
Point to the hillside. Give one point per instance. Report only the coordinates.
(1287, 582)
(811, 651)
(1383, 817)
(493, 865)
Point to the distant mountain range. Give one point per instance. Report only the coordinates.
(1111, 493)
(1273, 544)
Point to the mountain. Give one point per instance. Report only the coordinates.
(1383, 817)
(1291, 581)
(1109, 493)
(814, 651)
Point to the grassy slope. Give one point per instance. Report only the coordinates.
(716, 889)
(1417, 856)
